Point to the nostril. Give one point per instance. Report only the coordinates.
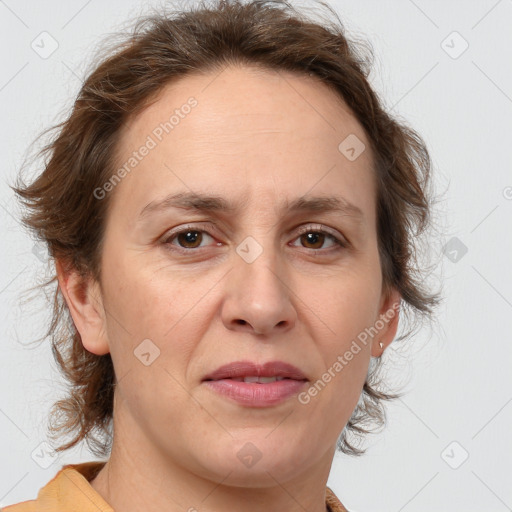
(241, 322)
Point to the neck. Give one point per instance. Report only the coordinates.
(138, 478)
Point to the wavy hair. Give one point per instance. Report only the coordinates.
(62, 210)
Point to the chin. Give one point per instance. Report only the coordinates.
(255, 463)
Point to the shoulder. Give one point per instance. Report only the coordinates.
(68, 490)
(23, 506)
(332, 501)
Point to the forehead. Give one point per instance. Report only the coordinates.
(248, 132)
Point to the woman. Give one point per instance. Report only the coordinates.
(232, 215)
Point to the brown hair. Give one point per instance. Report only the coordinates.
(64, 212)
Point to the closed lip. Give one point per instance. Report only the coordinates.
(242, 369)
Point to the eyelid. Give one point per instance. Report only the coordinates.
(306, 228)
(337, 237)
(202, 227)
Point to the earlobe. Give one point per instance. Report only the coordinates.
(85, 304)
(387, 323)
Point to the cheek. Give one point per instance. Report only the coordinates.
(153, 331)
(346, 309)
(146, 303)
(346, 305)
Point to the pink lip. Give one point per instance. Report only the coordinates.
(247, 368)
(254, 394)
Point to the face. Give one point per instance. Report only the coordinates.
(278, 261)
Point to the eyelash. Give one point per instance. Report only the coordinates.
(316, 229)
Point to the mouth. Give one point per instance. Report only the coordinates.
(247, 371)
(255, 378)
(253, 385)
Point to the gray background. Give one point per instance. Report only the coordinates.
(457, 373)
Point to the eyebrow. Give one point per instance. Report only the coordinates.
(212, 203)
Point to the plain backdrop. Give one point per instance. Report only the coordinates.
(442, 66)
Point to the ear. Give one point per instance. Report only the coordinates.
(389, 316)
(84, 300)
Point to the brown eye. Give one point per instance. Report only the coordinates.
(315, 237)
(189, 239)
(316, 240)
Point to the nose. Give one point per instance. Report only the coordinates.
(258, 297)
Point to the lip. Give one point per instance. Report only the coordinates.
(255, 394)
(239, 369)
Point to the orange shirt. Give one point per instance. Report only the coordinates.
(70, 490)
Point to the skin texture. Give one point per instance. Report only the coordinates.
(258, 137)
